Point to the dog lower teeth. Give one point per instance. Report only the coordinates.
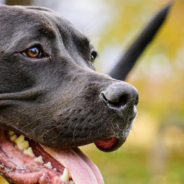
(29, 152)
(39, 159)
(22, 144)
(65, 176)
(48, 165)
(71, 182)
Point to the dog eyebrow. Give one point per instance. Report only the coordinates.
(47, 31)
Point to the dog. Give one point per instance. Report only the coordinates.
(52, 100)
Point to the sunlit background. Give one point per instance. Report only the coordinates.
(154, 151)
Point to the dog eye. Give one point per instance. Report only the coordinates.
(93, 56)
(34, 52)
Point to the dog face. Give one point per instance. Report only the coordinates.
(51, 94)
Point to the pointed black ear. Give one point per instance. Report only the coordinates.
(127, 61)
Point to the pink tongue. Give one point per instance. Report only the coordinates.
(81, 168)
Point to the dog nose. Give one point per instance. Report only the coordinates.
(120, 95)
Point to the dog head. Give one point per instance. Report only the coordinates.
(52, 99)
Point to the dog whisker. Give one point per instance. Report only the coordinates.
(75, 129)
(85, 28)
(56, 135)
(99, 35)
(34, 121)
(135, 127)
(40, 126)
(47, 131)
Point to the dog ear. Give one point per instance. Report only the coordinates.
(127, 61)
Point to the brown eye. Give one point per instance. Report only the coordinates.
(33, 52)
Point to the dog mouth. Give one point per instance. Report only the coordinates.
(24, 161)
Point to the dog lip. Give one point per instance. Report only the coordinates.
(114, 144)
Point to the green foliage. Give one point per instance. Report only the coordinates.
(159, 73)
(132, 166)
(159, 77)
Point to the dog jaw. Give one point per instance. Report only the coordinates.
(43, 164)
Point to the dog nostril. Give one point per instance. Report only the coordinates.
(120, 94)
(117, 102)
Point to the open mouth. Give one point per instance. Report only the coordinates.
(23, 161)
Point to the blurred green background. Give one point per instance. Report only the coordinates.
(154, 151)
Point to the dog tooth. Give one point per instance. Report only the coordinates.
(55, 169)
(10, 133)
(20, 141)
(13, 137)
(39, 159)
(25, 144)
(65, 176)
(71, 182)
(29, 152)
(48, 165)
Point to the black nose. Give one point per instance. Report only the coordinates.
(120, 95)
